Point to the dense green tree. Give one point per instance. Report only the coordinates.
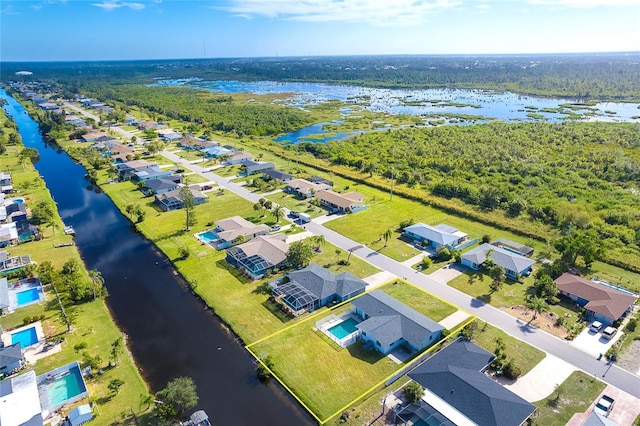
(412, 392)
(180, 393)
(584, 244)
(189, 208)
(299, 255)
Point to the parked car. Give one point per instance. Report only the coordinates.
(609, 332)
(595, 326)
(294, 214)
(604, 405)
(179, 170)
(207, 187)
(275, 228)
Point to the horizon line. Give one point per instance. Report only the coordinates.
(632, 52)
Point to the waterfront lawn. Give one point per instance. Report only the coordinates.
(574, 395)
(524, 355)
(326, 378)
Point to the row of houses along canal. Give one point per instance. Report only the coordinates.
(171, 333)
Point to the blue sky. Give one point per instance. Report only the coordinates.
(48, 30)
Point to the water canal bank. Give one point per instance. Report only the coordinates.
(171, 333)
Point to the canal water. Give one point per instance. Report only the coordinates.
(171, 333)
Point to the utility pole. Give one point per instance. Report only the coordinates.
(392, 180)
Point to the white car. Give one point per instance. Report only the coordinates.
(595, 326)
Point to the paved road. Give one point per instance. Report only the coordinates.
(610, 374)
(562, 349)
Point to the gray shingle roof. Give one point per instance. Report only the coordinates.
(277, 174)
(506, 259)
(391, 320)
(323, 283)
(159, 184)
(10, 354)
(454, 375)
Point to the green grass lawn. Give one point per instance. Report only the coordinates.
(338, 376)
(525, 356)
(293, 203)
(92, 323)
(328, 258)
(574, 395)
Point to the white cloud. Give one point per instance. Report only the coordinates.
(585, 3)
(382, 12)
(114, 4)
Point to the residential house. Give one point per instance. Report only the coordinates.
(251, 167)
(258, 256)
(189, 141)
(238, 157)
(128, 169)
(277, 175)
(162, 185)
(216, 151)
(11, 358)
(6, 185)
(16, 212)
(20, 401)
(48, 106)
(92, 136)
(603, 302)
(514, 265)
(169, 135)
(457, 392)
(318, 179)
(236, 230)
(310, 288)
(9, 264)
(303, 188)
(341, 203)
(151, 172)
(388, 324)
(8, 234)
(5, 304)
(436, 237)
(172, 200)
(150, 125)
(506, 244)
(130, 120)
(26, 231)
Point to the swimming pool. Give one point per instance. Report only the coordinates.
(18, 201)
(208, 236)
(344, 328)
(27, 337)
(28, 296)
(67, 386)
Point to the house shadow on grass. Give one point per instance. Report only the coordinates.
(222, 264)
(368, 354)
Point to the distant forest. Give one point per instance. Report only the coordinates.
(603, 76)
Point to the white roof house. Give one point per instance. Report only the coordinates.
(513, 263)
(20, 401)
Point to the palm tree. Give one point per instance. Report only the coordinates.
(278, 213)
(96, 279)
(537, 305)
(338, 253)
(386, 235)
(319, 240)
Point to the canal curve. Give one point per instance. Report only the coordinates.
(171, 332)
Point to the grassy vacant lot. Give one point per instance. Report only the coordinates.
(524, 355)
(293, 203)
(573, 396)
(92, 323)
(325, 377)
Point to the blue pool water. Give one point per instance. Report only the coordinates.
(344, 329)
(28, 296)
(66, 387)
(26, 337)
(18, 201)
(208, 236)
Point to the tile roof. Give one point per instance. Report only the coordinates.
(273, 248)
(304, 186)
(603, 300)
(505, 258)
(454, 375)
(390, 320)
(233, 227)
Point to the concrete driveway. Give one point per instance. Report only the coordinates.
(447, 273)
(625, 410)
(593, 343)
